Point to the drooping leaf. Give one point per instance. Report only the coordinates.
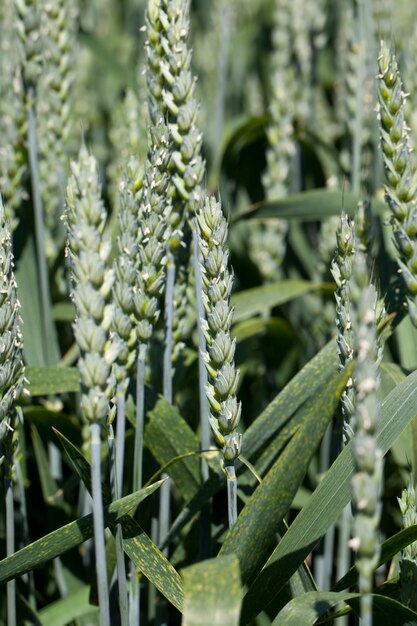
(308, 608)
(260, 299)
(272, 428)
(143, 553)
(167, 435)
(299, 391)
(50, 491)
(309, 205)
(212, 593)
(327, 502)
(257, 524)
(67, 537)
(52, 380)
(387, 611)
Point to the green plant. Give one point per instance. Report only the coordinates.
(170, 342)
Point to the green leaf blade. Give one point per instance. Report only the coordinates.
(327, 502)
(212, 593)
(258, 522)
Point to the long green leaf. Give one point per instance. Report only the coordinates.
(51, 380)
(272, 426)
(308, 205)
(167, 435)
(257, 524)
(260, 299)
(143, 553)
(387, 611)
(327, 502)
(74, 606)
(28, 292)
(302, 389)
(212, 593)
(308, 608)
(67, 537)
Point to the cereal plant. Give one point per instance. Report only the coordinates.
(208, 344)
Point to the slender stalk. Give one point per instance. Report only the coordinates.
(134, 597)
(120, 559)
(99, 541)
(120, 439)
(232, 496)
(169, 309)
(47, 322)
(140, 416)
(10, 543)
(164, 494)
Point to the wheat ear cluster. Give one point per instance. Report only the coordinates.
(342, 273)
(154, 232)
(223, 376)
(13, 123)
(89, 251)
(28, 25)
(143, 221)
(54, 113)
(12, 369)
(400, 171)
(172, 94)
(267, 243)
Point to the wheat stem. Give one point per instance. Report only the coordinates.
(99, 542)
(120, 559)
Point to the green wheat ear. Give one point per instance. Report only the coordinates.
(54, 115)
(400, 171)
(13, 123)
(89, 252)
(223, 376)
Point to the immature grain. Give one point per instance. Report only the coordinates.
(28, 25)
(223, 376)
(171, 87)
(128, 137)
(342, 274)
(172, 94)
(13, 127)
(89, 250)
(54, 108)
(11, 389)
(400, 172)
